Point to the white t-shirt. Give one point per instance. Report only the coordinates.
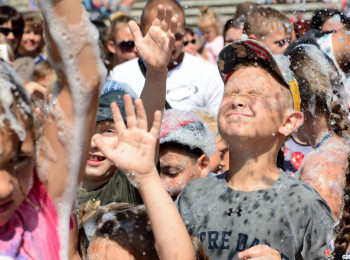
(195, 83)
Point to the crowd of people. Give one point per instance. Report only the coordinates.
(122, 139)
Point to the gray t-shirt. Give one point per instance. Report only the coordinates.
(289, 216)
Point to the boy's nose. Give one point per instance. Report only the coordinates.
(6, 185)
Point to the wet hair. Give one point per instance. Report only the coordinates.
(153, 5)
(321, 15)
(208, 18)
(194, 153)
(15, 102)
(320, 82)
(244, 9)
(8, 13)
(260, 21)
(199, 249)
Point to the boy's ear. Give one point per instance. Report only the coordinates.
(111, 46)
(203, 165)
(293, 121)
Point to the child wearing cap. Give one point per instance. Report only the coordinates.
(186, 143)
(255, 210)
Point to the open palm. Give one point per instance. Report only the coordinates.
(135, 151)
(156, 47)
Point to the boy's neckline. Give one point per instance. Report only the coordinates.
(254, 190)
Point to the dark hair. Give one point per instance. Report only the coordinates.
(321, 15)
(233, 23)
(199, 249)
(8, 13)
(194, 153)
(244, 9)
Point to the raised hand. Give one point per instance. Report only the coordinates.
(135, 149)
(156, 47)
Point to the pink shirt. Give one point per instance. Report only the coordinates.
(31, 233)
(213, 48)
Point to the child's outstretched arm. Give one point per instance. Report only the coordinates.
(134, 154)
(72, 43)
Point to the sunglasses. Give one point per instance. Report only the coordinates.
(126, 46)
(193, 41)
(17, 32)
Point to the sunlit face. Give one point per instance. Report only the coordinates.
(177, 169)
(98, 168)
(124, 54)
(31, 39)
(12, 180)
(253, 105)
(12, 37)
(277, 40)
(219, 161)
(233, 34)
(209, 32)
(332, 24)
(190, 45)
(179, 35)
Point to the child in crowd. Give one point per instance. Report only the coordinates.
(209, 24)
(35, 199)
(255, 210)
(32, 41)
(134, 154)
(233, 30)
(102, 181)
(270, 27)
(186, 143)
(323, 102)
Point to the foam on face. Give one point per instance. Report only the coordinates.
(70, 40)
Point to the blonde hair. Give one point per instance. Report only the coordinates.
(208, 18)
(261, 21)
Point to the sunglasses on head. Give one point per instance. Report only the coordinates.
(17, 32)
(126, 46)
(193, 41)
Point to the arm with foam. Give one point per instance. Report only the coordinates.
(72, 44)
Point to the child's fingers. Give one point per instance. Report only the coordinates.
(141, 115)
(117, 118)
(156, 124)
(135, 31)
(173, 25)
(129, 111)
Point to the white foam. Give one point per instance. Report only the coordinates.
(70, 40)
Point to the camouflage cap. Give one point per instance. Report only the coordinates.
(250, 50)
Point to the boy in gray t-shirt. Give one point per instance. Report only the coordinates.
(254, 210)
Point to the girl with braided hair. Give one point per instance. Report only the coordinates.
(326, 127)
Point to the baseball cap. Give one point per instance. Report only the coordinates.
(113, 92)
(188, 129)
(250, 50)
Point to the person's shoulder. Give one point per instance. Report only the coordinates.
(198, 61)
(297, 190)
(205, 184)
